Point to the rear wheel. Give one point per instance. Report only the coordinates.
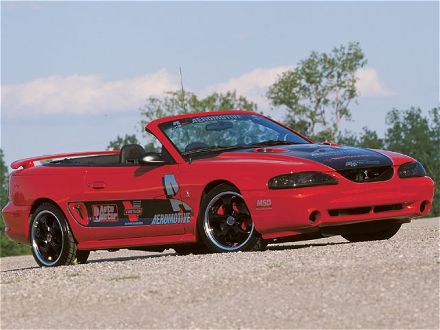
(225, 223)
(374, 236)
(51, 239)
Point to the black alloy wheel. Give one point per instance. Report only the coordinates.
(50, 237)
(225, 223)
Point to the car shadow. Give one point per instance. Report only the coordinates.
(138, 257)
(159, 255)
(92, 261)
(302, 246)
(18, 269)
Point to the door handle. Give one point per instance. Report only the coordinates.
(98, 184)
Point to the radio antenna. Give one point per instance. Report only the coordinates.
(183, 90)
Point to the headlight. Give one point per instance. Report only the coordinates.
(302, 179)
(410, 170)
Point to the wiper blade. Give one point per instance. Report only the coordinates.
(271, 143)
(211, 149)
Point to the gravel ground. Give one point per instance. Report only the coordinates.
(325, 283)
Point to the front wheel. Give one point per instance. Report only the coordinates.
(225, 223)
(387, 233)
(51, 239)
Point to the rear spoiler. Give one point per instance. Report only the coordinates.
(29, 162)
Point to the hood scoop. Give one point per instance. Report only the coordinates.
(270, 150)
(337, 157)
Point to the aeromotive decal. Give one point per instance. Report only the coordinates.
(138, 212)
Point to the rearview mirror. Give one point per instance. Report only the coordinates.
(219, 126)
(152, 158)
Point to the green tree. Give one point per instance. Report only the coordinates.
(120, 141)
(413, 134)
(365, 139)
(182, 102)
(7, 247)
(369, 139)
(318, 91)
(177, 103)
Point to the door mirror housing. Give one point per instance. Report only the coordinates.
(152, 158)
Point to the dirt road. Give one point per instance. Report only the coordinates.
(326, 283)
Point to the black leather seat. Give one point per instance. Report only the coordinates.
(131, 153)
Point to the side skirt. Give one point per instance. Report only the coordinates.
(137, 242)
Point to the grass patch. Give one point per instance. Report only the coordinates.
(126, 277)
(73, 274)
(275, 265)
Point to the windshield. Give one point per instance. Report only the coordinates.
(226, 132)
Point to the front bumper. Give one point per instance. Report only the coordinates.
(302, 209)
(16, 220)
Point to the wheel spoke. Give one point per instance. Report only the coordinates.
(219, 218)
(38, 233)
(56, 248)
(224, 229)
(242, 209)
(227, 204)
(239, 233)
(43, 224)
(44, 247)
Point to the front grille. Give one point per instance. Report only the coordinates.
(351, 211)
(365, 210)
(372, 174)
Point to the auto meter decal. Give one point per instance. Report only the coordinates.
(145, 212)
(104, 213)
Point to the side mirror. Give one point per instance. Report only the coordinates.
(152, 158)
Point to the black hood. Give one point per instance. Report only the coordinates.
(338, 158)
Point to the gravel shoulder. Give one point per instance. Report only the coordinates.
(327, 283)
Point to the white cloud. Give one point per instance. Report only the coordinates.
(369, 84)
(252, 84)
(89, 94)
(81, 94)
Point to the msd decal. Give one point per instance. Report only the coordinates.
(105, 213)
(263, 204)
(132, 210)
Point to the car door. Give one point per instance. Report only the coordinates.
(133, 201)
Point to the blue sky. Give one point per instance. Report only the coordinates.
(74, 74)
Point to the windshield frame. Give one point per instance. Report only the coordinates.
(188, 157)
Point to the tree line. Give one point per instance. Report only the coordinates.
(316, 96)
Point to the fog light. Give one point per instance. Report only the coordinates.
(314, 216)
(423, 206)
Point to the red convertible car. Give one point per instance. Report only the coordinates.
(220, 181)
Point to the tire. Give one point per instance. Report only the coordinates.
(51, 240)
(225, 224)
(374, 236)
(82, 256)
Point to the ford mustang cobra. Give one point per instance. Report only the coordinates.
(218, 182)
